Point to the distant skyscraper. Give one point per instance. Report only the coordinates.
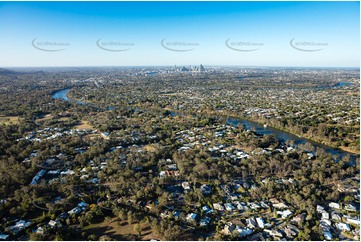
(201, 68)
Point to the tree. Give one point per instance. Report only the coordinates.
(93, 237)
(349, 198)
(122, 215)
(163, 199)
(130, 217)
(105, 238)
(155, 226)
(303, 236)
(36, 237)
(138, 229)
(172, 232)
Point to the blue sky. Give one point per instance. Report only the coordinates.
(325, 34)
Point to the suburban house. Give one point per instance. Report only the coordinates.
(218, 206)
(343, 226)
(285, 213)
(205, 221)
(191, 217)
(334, 205)
(260, 222)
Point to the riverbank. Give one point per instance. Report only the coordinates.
(309, 138)
(320, 140)
(280, 132)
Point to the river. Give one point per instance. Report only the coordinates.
(259, 128)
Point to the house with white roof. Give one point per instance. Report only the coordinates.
(53, 223)
(334, 205)
(243, 232)
(260, 222)
(218, 206)
(205, 221)
(325, 215)
(20, 225)
(351, 208)
(279, 205)
(320, 208)
(75, 210)
(206, 209)
(274, 233)
(4, 236)
(285, 213)
(343, 226)
(191, 217)
(186, 185)
(336, 216)
(251, 223)
(353, 220)
(229, 206)
(327, 235)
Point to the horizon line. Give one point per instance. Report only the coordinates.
(205, 65)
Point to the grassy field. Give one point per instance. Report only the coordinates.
(354, 150)
(174, 94)
(84, 124)
(9, 119)
(120, 230)
(150, 148)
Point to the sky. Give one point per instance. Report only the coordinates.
(300, 34)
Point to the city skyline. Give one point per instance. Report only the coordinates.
(292, 34)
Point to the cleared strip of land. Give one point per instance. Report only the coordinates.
(9, 119)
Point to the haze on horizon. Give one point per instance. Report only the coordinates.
(292, 34)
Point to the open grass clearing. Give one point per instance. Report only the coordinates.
(84, 124)
(9, 119)
(121, 230)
